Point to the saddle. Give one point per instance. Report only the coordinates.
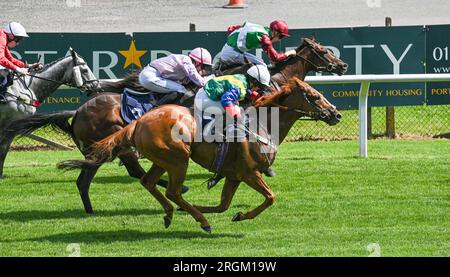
(134, 104)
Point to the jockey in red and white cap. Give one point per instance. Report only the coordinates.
(10, 36)
(246, 37)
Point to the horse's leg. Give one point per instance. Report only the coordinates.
(4, 149)
(177, 175)
(83, 183)
(256, 182)
(131, 163)
(149, 181)
(228, 191)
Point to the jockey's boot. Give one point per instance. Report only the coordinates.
(269, 172)
(3, 98)
(3, 87)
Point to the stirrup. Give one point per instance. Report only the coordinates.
(212, 182)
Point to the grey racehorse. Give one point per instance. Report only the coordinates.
(26, 92)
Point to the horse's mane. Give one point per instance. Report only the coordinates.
(130, 80)
(271, 98)
(280, 65)
(47, 65)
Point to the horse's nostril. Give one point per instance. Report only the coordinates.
(345, 66)
(338, 116)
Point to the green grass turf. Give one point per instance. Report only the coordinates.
(329, 203)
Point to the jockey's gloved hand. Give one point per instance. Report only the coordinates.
(36, 66)
(209, 77)
(253, 95)
(233, 111)
(290, 53)
(22, 70)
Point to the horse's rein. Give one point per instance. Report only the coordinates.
(313, 115)
(62, 83)
(59, 82)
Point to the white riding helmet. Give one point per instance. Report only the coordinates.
(260, 73)
(201, 55)
(16, 29)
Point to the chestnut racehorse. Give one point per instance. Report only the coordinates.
(100, 116)
(151, 135)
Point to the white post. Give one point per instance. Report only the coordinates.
(363, 95)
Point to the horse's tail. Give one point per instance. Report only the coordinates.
(26, 125)
(105, 150)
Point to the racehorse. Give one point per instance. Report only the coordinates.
(152, 136)
(26, 93)
(100, 116)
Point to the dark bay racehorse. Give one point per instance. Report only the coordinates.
(25, 94)
(152, 136)
(100, 116)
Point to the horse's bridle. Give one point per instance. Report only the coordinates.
(329, 64)
(75, 68)
(320, 112)
(69, 84)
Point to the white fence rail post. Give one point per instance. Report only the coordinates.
(363, 99)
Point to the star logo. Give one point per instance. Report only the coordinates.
(132, 55)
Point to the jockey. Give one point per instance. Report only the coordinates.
(168, 74)
(10, 37)
(246, 37)
(224, 92)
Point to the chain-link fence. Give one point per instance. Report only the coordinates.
(410, 122)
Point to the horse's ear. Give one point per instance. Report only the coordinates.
(72, 52)
(313, 36)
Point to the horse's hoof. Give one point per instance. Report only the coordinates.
(237, 217)
(89, 212)
(2, 177)
(184, 189)
(207, 229)
(167, 222)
